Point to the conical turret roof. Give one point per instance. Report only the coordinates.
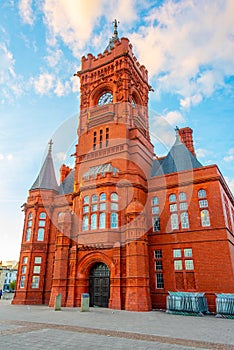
(179, 158)
(46, 178)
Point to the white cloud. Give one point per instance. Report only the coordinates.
(230, 156)
(202, 153)
(8, 157)
(62, 89)
(44, 83)
(61, 156)
(25, 11)
(53, 57)
(188, 47)
(163, 127)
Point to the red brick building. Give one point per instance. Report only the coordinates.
(125, 225)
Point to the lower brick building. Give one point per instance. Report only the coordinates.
(124, 225)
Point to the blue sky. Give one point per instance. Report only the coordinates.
(187, 47)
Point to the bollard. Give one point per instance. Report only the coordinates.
(84, 302)
(57, 302)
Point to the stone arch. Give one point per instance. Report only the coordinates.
(136, 97)
(97, 92)
(89, 260)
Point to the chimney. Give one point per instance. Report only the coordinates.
(64, 171)
(186, 136)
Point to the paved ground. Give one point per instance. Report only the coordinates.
(40, 327)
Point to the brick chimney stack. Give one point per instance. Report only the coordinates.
(186, 136)
(64, 171)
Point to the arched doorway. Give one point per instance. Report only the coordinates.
(99, 285)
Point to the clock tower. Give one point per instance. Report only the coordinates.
(113, 157)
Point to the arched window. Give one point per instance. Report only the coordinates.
(93, 221)
(114, 220)
(30, 216)
(40, 234)
(172, 198)
(174, 222)
(114, 197)
(85, 223)
(201, 193)
(86, 200)
(102, 197)
(154, 201)
(205, 218)
(102, 220)
(182, 196)
(42, 215)
(94, 198)
(184, 220)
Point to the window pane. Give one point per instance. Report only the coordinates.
(155, 210)
(201, 193)
(85, 223)
(102, 197)
(94, 207)
(182, 196)
(102, 206)
(183, 206)
(28, 234)
(178, 264)
(156, 223)
(25, 260)
(158, 254)
(42, 215)
(177, 253)
(102, 220)
(154, 200)
(93, 221)
(40, 234)
(24, 268)
(86, 200)
(22, 281)
(29, 223)
(184, 220)
(159, 280)
(41, 223)
(158, 265)
(86, 209)
(173, 207)
(188, 252)
(37, 260)
(30, 216)
(174, 222)
(114, 206)
(203, 203)
(114, 220)
(189, 265)
(35, 281)
(172, 198)
(205, 218)
(114, 196)
(37, 269)
(94, 198)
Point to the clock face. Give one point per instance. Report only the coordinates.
(105, 98)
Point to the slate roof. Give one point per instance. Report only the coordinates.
(179, 158)
(67, 186)
(101, 169)
(46, 178)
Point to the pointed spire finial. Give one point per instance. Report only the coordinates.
(115, 22)
(177, 133)
(50, 146)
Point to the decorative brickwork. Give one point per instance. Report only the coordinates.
(153, 225)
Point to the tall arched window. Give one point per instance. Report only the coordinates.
(205, 218)
(29, 227)
(202, 193)
(40, 234)
(172, 198)
(41, 225)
